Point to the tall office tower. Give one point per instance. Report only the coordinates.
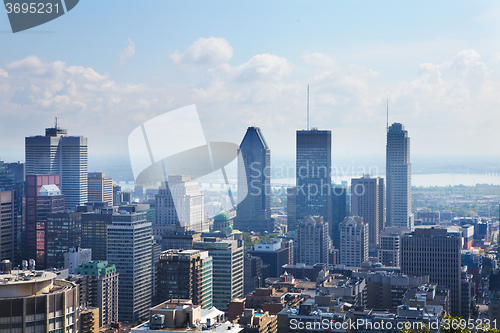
(398, 175)
(63, 231)
(274, 252)
(129, 249)
(367, 201)
(312, 241)
(117, 195)
(58, 153)
(291, 208)
(313, 174)
(100, 188)
(253, 273)
(7, 178)
(227, 256)
(254, 179)
(94, 231)
(103, 289)
(42, 197)
(340, 211)
(389, 252)
(192, 272)
(179, 201)
(353, 241)
(8, 224)
(437, 253)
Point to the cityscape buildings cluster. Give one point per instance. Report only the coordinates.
(95, 255)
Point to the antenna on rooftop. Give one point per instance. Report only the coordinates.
(308, 107)
(387, 125)
(56, 122)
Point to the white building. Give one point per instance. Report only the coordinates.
(353, 241)
(76, 257)
(100, 188)
(180, 202)
(181, 315)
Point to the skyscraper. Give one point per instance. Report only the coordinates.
(63, 231)
(389, 252)
(103, 289)
(312, 241)
(100, 188)
(192, 271)
(313, 174)
(58, 153)
(227, 256)
(179, 201)
(339, 212)
(94, 231)
(353, 241)
(398, 175)
(9, 224)
(367, 201)
(129, 249)
(437, 253)
(254, 212)
(42, 197)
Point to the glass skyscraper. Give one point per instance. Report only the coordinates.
(58, 153)
(313, 174)
(254, 212)
(398, 175)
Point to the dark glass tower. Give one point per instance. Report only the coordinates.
(313, 174)
(58, 153)
(254, 212)
(398, 175)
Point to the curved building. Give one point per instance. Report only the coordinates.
(34, 301)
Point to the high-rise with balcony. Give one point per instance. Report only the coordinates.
(185, 274)
(254, 180)
(398, 175)
(58, 153)
(313, 174)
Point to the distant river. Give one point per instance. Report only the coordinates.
(425, 180)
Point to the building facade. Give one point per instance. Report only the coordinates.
(227, 258)
(313, 174)
(100, 188)
(63, 231)
(353, 241)
(368, 202)
(103, 289)
(398, 176)
(58, 153)
(129, 247)
(254, 180)
(185, 274)
(437, 253)
(312, 241)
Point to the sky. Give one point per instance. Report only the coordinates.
(106, 67)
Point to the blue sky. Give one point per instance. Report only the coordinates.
(107, 66)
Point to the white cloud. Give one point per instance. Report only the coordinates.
(210, 50)
(127, 53)
(318, 59)
(259, 67)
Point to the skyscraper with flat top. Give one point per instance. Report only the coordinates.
(367, 201)
(254, 212)
(58, 153)
(313, 174)
(398, 175)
